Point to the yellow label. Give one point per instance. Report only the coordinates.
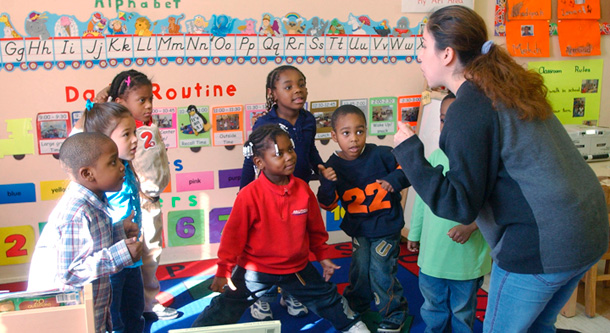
(17, 244)
(53, 189)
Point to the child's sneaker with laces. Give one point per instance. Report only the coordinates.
(388, 327)
(295, 308)
(358, 327)
(261, 310)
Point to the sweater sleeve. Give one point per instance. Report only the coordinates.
(318, 236)
(234, 236)
(460, 194)
(327, 194)
(396, 178)
(78, 261)
(247, 173)
(314, 157)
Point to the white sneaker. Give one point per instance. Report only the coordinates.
(358, 327)
(164, 313)
(261, 310)
(295, 308)
(346, 309)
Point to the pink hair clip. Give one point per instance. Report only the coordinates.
(128, 81)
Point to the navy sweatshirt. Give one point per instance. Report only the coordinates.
(370, 211)
(303, 133)
(536, 201)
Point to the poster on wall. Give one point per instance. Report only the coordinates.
(61, 41)
(360, 103)
(408, 108)
(76, 115)
(322, 111)
(253, 112)
(579, 9)
(419, 6)
(194, 126)
(53, 129)
(528, 10)
(528, 38)
(579, 38)
(165, 118)
(382, 113)
(574, 88)
(228, 125)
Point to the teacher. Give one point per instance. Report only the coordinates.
(513, 168)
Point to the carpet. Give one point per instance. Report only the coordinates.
(185, 287)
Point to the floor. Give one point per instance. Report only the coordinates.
(582, 323)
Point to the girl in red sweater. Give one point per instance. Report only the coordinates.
(274, 224)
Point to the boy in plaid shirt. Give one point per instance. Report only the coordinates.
(79, 244)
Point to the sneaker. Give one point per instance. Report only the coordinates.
(358, 327)
(261, 310)
(349, 313)
(387, 327)
(161, 313)
(295, 308)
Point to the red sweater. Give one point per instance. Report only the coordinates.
(272, 228)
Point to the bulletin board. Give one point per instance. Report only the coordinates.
(208, 61)
(211, 55)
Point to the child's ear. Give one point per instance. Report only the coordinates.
(270, 94)
(258, 162)
(333, 135)
(87, 174)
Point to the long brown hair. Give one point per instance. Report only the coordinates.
(498, 75)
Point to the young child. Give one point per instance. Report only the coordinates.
(286, 94)
(134, 90)
(79, 244)
(274, 224)
(453, 259)
(367, 181)
(115, 121)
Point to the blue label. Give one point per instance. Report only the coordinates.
(16, 193)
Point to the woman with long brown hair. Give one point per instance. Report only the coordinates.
(513, 168)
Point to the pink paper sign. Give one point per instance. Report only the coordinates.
(195, 181)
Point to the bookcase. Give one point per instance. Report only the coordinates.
(72, 318)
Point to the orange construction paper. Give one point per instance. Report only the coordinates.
(578, 9)
(528, 9)
(579, 38)
(528, 38)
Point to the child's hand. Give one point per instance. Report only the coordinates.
(219, 284)
(461, 233)
(329, 268)
(102, 95)
(385, 185)
(131, 229)
(328, 173)
(412, 246)
(135, 248)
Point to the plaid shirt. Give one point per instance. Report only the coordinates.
(80, 245)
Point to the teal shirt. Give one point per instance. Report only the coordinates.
(439, 255)
(124, 201)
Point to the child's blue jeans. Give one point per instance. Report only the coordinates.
(127, 300)
(372, 276)
(319, 296)
(448, 302)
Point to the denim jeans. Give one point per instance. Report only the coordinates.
(528, 302)
(319, 296)
(449, 305)
(372, 276)
(127, 300)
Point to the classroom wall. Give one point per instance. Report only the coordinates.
(25, 93)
